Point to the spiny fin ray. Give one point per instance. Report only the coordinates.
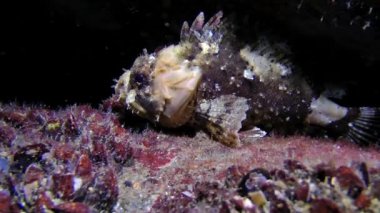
(222, 117)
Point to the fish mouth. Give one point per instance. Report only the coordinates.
(175, 83)
(169, 96)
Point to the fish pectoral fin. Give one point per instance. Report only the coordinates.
(225, 136)
(253, 134)
(222, 117)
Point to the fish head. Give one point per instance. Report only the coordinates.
(161, 86)
(134, 86)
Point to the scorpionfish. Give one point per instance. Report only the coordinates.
(209, 82)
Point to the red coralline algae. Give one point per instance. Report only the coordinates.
(62, 160)
(7, 135)
(154, 159)
(84, 166)
(72, 207)
(43, 203)
(297, 189)
(5, 202)
(63, 185)
(81, 159)
(324, 205)
(63, 152)
(122, 152)
(33, 173)
(347, 178)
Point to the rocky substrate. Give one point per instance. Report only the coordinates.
(81, 159)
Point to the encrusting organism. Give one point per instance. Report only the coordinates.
(210, 82)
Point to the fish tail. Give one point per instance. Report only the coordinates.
(360, 125)
(365, 129)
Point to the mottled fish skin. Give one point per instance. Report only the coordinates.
(273, 103)
(278, 100)
(211, 81)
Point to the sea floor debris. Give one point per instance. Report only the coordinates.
(82, 159)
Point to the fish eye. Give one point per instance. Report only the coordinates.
(140, 80)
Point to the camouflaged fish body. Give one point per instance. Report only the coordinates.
(208, 81)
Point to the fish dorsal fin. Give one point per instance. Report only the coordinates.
(209, 32)
(222, 117)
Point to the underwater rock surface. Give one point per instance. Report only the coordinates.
(81, 159)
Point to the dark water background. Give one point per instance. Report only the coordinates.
(61, 52)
